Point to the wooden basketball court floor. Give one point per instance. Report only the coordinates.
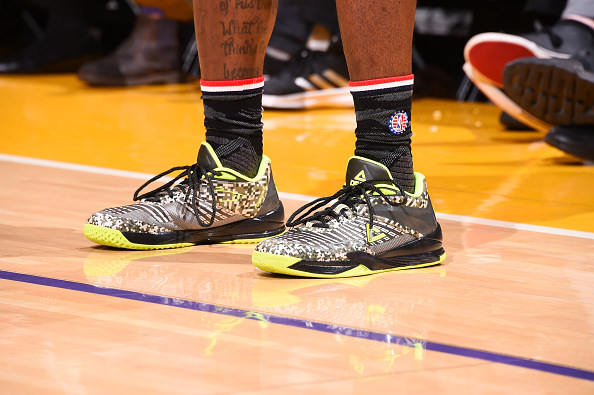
(510, 311)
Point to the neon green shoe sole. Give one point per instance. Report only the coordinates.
(292, 266)
(115, 238)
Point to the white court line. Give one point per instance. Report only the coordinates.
(303, 198)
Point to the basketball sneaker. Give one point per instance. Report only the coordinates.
(488, 53)
(316, 80)
(206, 203)
(150, 55)
(371, 227)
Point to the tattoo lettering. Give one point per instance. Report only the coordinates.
(244, 5)
(253, 26)
(253, 4)
(224, 6)
(246, 47)
(239, 73)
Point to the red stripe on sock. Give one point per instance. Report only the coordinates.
(379, 81)
(232, 83)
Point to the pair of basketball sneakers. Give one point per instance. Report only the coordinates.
(370, 225)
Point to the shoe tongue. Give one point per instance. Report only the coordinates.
(361, 169)
(207, 159)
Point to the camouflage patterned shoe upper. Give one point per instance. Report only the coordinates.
(206, 203)
(371, 227)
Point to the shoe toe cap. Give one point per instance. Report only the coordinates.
(124, 224)
(310, 250)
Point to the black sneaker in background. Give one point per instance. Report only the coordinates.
(576, 140)
(150, 55)
(315, 80)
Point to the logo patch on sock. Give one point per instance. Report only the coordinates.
(398, 122)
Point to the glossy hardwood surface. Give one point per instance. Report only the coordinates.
(473, 166)
(502, 290)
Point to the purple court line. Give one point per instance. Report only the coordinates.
(304, 324)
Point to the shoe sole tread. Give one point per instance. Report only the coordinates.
(555, 91)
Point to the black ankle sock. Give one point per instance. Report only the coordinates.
(233, 121)
(383, 132)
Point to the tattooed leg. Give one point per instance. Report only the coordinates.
(232, 37)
